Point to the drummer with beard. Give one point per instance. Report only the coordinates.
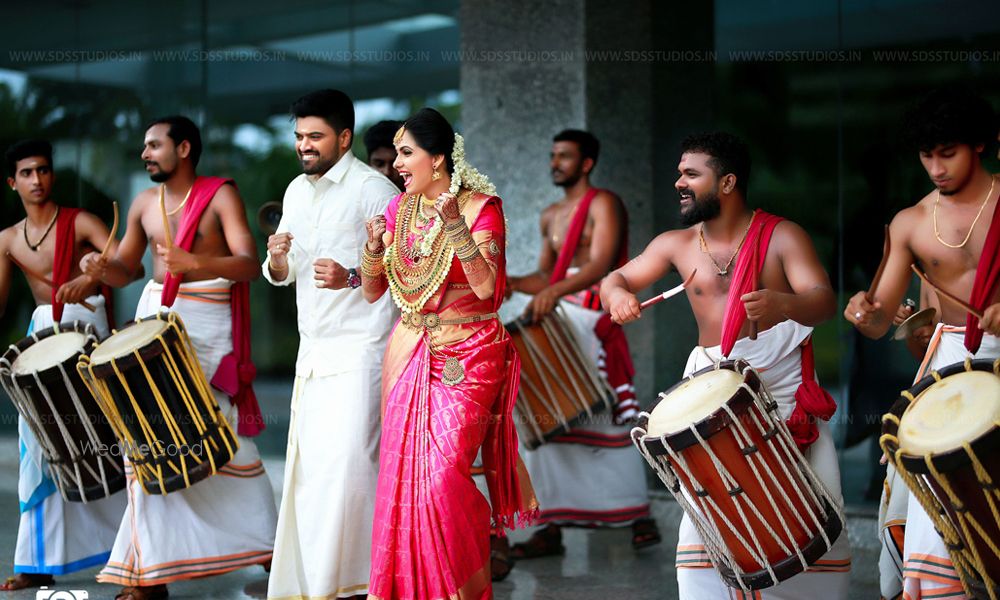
(754, 271)
(202, 266)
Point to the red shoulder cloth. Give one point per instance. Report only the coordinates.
(62, 264)
(62, 260)
(811, 401)
(987, 278)
(745, 273)
(236, 372)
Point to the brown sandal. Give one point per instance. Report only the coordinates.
(544, 542)
(145, 592)
(501, 564)
(645, 533)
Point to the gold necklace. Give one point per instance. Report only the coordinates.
(723, 271)
(34, 247)
(177, 208)
(986, 200)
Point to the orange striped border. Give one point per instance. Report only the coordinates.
(931, 568)
(163, 573)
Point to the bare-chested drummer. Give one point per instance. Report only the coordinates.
(721, 238)
(228, 520)
(953, 233)
(589, 477)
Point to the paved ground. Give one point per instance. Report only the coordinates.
(599, 564)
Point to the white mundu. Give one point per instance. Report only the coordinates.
(323, 545)
(219, 524)
(54, 536)
(592, 477)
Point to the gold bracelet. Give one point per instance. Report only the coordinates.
(468, 252)
(371, 263)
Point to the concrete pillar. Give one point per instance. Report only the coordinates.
(531, 69)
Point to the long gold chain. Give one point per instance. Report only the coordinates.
(968, 236)
(177, 208)
(34, 247)
(723, 271)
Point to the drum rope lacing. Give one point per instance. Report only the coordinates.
(59, 469)
(564, 342)
(714, 542)
(146, 467)
(945, 526)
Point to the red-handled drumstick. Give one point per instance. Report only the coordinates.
(947, 295)
(42, 278)
(669, 293)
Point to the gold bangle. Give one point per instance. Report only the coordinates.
(371, 263)
(468, 252)
(372, 270)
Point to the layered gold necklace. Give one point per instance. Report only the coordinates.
(418, 261)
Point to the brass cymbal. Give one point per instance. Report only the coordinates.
(915, 322)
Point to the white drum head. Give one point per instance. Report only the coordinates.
(692, 401)
(49, 352)
(127, 341)
(957, 409)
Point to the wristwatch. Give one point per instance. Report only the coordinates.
(353, 279)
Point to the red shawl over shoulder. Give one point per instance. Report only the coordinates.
(236, 372)
(811, 401)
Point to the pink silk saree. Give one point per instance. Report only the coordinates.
(432, 525)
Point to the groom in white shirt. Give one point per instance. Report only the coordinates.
(323, 544)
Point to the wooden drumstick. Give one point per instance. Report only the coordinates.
(756, 286)
(114, 231)
(166, 220)
(669, 293)
(42, 278)
(870, 296)
(947, 295)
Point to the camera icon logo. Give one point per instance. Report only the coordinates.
(44, 593)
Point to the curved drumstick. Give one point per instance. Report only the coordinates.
(42, 278)
(870, 296)
(166, 221)
(947, 295)
(669, 293)
(114, 231)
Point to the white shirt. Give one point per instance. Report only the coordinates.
(338, 329)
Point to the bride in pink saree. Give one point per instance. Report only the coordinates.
(450, 375)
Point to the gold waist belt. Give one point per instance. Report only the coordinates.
(434, 321)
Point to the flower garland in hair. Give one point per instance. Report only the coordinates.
(465, 175)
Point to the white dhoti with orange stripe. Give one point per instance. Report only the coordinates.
(777, 356)
(927, 568)
(590, 476)
(55, 536)
(219, 524)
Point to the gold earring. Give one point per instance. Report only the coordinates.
(436, 175)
